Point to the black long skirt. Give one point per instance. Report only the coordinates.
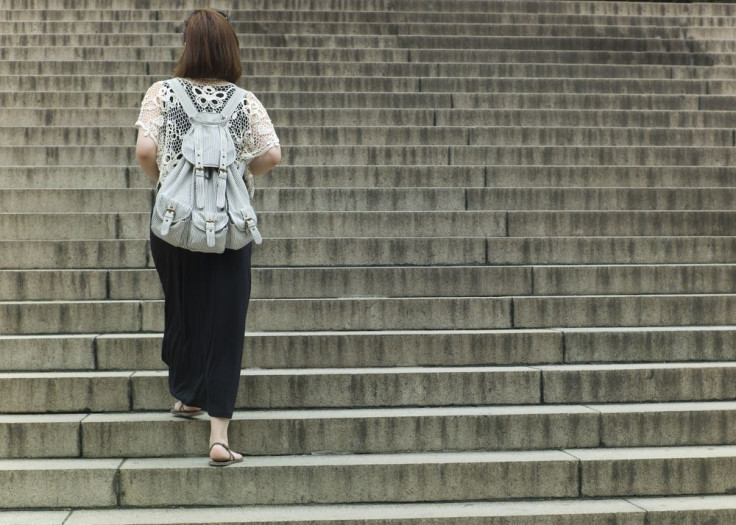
(206, 302)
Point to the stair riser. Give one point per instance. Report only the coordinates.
(348, 436)
(33, 48)
(612, 250)
(109, 392)
(391, 177)
(385, 314)
(143, 81)
(162, 67)
(366, 349)
(416, 17)
(153, 438)
(389, 282)
(263, 314)
(446, 28)
(445, 6)
(343, 251)
(532, 347)
(418, 136)
(453, 155)
(93, 226)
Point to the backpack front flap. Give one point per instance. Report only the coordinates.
(208, 143)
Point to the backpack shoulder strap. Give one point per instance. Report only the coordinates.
(181, 93)
(233, 103)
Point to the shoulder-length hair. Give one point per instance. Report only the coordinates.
(211, 48)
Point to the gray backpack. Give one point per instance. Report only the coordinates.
(203, 203)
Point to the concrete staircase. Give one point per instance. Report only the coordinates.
(498, 281)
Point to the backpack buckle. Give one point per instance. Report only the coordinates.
(209, 228)
(254, 230)
(167, 220)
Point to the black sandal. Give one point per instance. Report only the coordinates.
(184, 413)
(222, 463)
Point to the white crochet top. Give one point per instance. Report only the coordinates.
(163, 119)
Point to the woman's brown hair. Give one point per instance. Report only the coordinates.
(211, 48)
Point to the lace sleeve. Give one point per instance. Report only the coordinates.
(151, 117)
(260, 135)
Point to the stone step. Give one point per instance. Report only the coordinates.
(622, 310)
(432, 155)
(378, 28)
(76, 177)
(323, 54)
(620, 8)
(633, 279)
(290, 84)
(600, 55)
(296, 479)
(95, 226)
(417, 281)
(539, 117)
(573, 511)
(136, 52)
(120, 117)
(108, 391)
(63, 317)
(283, 199)
(336, 431)
(446, 476)
(593, 176)
(649, 249)
(387, 176)
(656, 510)
(343, 251)
(675, 43)
(368, 349)
(278, 100)
(380, 313)
(387, 16)
(431, 84)
(578, 85)
(370, 69)
(408, 135)
(345, 282)
(659, 344)
(330, 431)
(307, 224)
(617, 223)
(76, 200)
(572, 117)
(34, 392)
(114, 177)
(135, 351)
(324, 100)
(390, 199)
(386, 251)
(108, 253)
(591, 198)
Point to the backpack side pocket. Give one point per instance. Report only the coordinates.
(172, 209)
(243, 228)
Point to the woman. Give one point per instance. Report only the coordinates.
(206, 295)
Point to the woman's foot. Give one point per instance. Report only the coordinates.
(219, 453)
(180, 409)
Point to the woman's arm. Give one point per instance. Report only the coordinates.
(145, 153)
(265, 162)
